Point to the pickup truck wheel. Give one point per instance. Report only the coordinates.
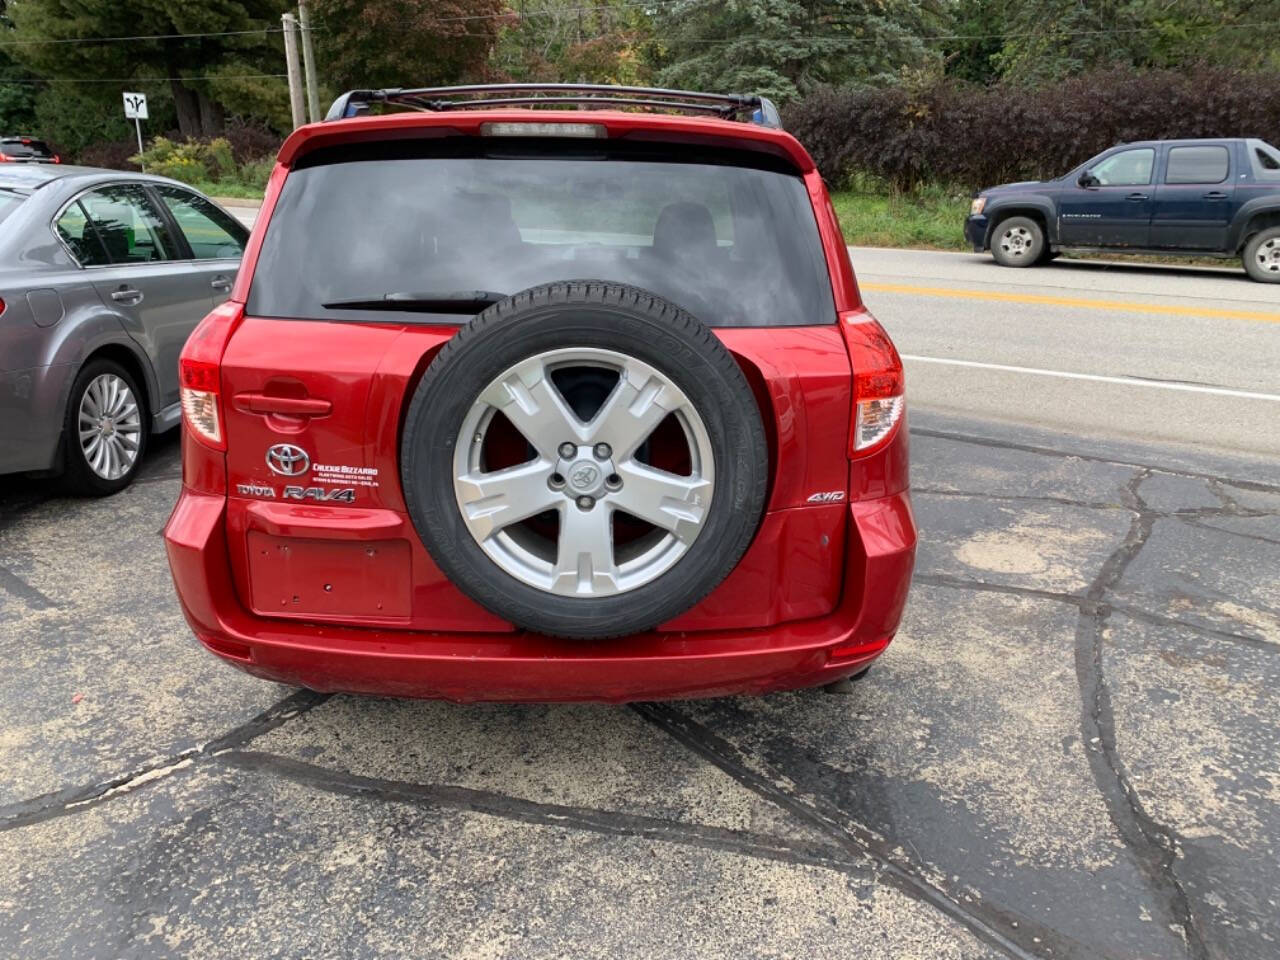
(1262, 256)
(1017, 242)
(584, 460)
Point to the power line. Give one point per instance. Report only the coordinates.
(522, 14)
(1048, 35)
(143, 80)
(143, 36)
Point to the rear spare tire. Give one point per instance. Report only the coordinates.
(584, 460)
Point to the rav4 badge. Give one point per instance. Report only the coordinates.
(320, 494)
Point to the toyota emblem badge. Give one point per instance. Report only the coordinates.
(288, 460)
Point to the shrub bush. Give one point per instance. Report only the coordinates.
(973, 136)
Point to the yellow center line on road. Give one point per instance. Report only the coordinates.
(1078, 302)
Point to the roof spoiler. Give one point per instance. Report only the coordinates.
(729, 106)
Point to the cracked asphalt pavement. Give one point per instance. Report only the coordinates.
(1069, 751)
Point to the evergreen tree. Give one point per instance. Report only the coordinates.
(782, 48)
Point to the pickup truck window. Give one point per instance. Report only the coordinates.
(1266, 164)
(1207, 164)
(1129, 168)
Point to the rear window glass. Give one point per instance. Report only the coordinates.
(25, 148)
(9, 201)
(1197, 165)
(734, 245)
(1266, 163)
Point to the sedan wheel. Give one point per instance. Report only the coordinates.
(110, 427)
(105, 433)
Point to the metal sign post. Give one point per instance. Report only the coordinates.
(135, 109)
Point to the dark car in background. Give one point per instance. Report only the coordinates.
(103, 275)
(1201, 198)
(26, 150)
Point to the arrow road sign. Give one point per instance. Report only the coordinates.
(135, 106)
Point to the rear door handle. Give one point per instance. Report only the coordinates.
(1137, 196)
(221, 283)
(1215, 195)
(292, 406)
(127, 295)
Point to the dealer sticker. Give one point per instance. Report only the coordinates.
(345, 474)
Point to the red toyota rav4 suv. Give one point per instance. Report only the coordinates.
(513, 403)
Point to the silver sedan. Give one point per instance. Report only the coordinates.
(103, 275)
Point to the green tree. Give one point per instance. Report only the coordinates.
(1053, 39)
(404, 43)
(782, 48)
(17, 95)
(585, 41)
(205, 73)
(982, 25)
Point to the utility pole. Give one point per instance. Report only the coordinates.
(296, 105)
(309, 62)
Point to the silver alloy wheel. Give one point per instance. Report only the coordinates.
(1016, 241)
(585, 471)
(110, 425)
(1269, 255)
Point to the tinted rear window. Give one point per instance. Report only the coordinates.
(25, 148)
(735, 245)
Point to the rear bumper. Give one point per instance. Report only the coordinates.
(529, 667)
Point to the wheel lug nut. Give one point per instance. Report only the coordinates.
(567, 450)
(586, 503)
(602, 451)
(555, 481)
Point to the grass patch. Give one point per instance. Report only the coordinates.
(931, 218)
(227, 188)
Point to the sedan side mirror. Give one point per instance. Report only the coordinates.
(1087, 179)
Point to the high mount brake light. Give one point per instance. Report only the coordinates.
(586, 130)
(199, 374)
(878, 383)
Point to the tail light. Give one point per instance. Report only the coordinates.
(200, 374)
(878, 383)
(1, 306)
(5, 158)
(56, 158)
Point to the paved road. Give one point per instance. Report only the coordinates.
(1068, 752)
(1181, 354)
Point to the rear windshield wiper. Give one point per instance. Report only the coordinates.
(461, 301)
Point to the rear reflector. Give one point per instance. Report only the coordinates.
(588, 130)
(878, 388)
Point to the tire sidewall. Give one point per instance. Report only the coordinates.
(78, 477)
(1028, 259)
(575, 319)
(1251, 254)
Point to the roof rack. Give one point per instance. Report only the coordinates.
(730, 106)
